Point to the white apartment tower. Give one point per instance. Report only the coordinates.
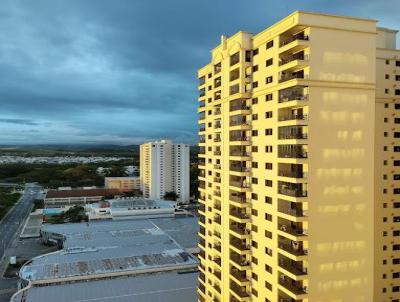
(164, 167)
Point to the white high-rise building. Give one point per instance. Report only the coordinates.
(164, 167)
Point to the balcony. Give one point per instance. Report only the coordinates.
(217, 125)
(239, 138)
(240, 230)
(293, 248)
(296, 93)
(202, 81)
(240, 199)
(217, 179)
(239, 260)
(217, 82)
(239, 168)
(217, 68)
(202, 104)
(239, 291)
(240, 276)
(292, 189)
(217, 152)
(202, 140)
(217, 193)
(294, 229)
(201, 163)
(293, 117)
(292, 151)
(292, 135)
(298, 37)
(217, 219)
(239, 107)
(217, 111)
(202, 92)
(293, 209)
(240, 184)
(240, 216)
(291, 173)
(239, 152)
(295, 268)
(217, 166)
(287, 76)
(298, 56)
(217, 139)
(294, 287)
(241, 122)
(239, 244)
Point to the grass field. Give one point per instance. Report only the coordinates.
(7, 200)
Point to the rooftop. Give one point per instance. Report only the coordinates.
(165, 287)
(101, 248)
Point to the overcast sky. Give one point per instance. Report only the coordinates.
(124, 71)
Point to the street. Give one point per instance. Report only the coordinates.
(12, 222)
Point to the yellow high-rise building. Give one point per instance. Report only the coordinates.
(297, 164)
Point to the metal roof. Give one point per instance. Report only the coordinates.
(160, 287)
(105, 247)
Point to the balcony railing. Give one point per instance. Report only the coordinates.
(239, 215)
(301, 37)
(239, 138)
(239, 169)
(295, 248)
(217, 179)
(292, 154)
(239, 123)
(217, 111)
(239, 153)
(239, 199)
(240, 231)
(239, 260)
(239, 290)
(240, 275)
(217, 139)
(295, 287)
(239, 107)
(217, 166)
(286, 60)
(240, 184)
(295, 269)
(217, 193)
(292, 192)
(288, 77)
(291, 230)
(291, 211)
(293, 174)
(294, 135)
(217, 152)
(291, 117)
(293, 97)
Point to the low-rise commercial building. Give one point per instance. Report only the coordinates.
(122, 183)
(126, 256)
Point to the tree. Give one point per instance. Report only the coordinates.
(171, 196)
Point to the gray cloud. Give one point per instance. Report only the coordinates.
(122, 71)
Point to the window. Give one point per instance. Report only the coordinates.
(254, 132)
(387, 62)
(254, 292)
(386, 90)
(397, 78)
(397, 63)
(254, 212)
(268, 166)
(248, 56)
(268, 131)
(268, 97)
(254, 148)
(268, 80)
(268, 234)
(254, 180)
(268, 183)
(255, 84)
(397, 120)
(269, 44)
(396, 134)
(269, 62)
(268, 149)
(397, 92)
(254, 244)
(268, 199)
(254, 117)
(268, 268)
(386, 76)
(254, 165)
(268, 114)
(255, 52)
(235, 58)
(254, 196)
(268, 285)
(254, 68)
(254, 101)
(396, 163)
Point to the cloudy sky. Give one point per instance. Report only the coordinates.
(124, 71)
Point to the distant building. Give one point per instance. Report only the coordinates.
(164, 167)
(122, 183)
(131, 208)
(77, 197)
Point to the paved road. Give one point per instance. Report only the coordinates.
(11, 223)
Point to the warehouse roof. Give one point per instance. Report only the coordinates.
(160, 287)
(108, 247)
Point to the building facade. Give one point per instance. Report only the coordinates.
(296, 130)
(164, 167)
(122, 183)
